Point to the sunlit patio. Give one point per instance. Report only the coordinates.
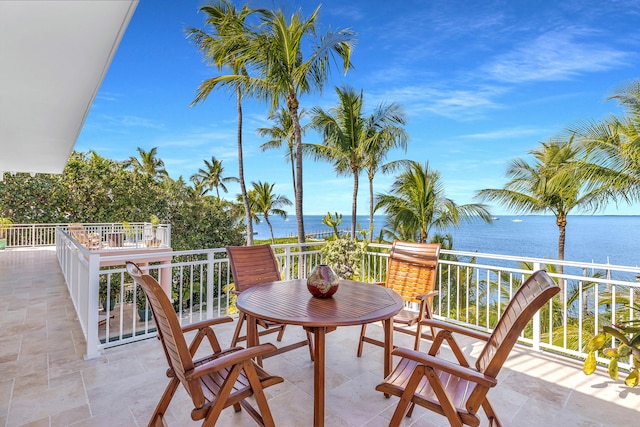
(46, 381)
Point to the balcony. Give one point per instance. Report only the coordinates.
(48, 380)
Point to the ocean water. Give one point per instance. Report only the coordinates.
(602, 239)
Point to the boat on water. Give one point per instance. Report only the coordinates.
(516, 220)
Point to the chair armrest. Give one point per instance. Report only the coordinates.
(206, 323)
(427, 295)
(456, 329)
(214, 356)
(229, 360)
(463, 372)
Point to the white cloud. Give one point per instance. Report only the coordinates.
(506, 133)
(553, 56)
(461, 104)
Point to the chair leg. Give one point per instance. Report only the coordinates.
(223, 394)
(361, 343)
(416, 346)
(405, 404)
(281, 333)
(157, 419)
(445, 402)
(491, 414)
(258, 394)
(236, 333)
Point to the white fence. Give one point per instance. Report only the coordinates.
(473, 290)
(111, 235)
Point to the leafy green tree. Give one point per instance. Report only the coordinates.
(552, 182)
(149, 163)
(417, 204)
(27, 199)
(288, 67)
(206, 224)
(267, 203)
(211, 176)
(224, 47)
(95, 189)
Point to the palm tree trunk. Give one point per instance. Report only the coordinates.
(561, 221)
(370, 208)
(273, 240)
(243, 188)
(354, 204)
(292, 104)
(293, 172)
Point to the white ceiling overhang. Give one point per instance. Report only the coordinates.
(54, 55)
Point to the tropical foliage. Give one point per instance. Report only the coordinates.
(628, 336)
(344, 255)
(552, 182)
(612, 146)
(283, 133)
(291, 59)
(416, 204)
(148, 163)
(223, 47)
(95, 189)
(212, 176)
(266, 203)
(353, 142)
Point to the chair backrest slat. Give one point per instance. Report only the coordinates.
(252, 266)
(412, 268)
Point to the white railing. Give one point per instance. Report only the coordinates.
(31, 235)
(112, 235)
(473, 290)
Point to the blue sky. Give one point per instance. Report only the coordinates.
(481, 82)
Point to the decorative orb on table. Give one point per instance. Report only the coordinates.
(322, 282)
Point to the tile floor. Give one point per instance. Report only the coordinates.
(45, 381)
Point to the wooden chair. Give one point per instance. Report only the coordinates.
(222, 379)
(253, 266)
(457, 391)
(91, 241)
(411, 272)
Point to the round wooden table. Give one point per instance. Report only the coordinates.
(289, 302)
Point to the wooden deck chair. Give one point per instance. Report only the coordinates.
(253, 266)
(458, 391)
(91, 241)
(222, 379)
(411, 272)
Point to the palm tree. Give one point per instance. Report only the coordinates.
(266, 203)
(148, 163)
(344, 132)
(199, 187)
(384, 132)
(288, 68)
(417, 204)
(211, 176)
(613, 147)
(280, 133)
(552, 182)
(224, 48)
